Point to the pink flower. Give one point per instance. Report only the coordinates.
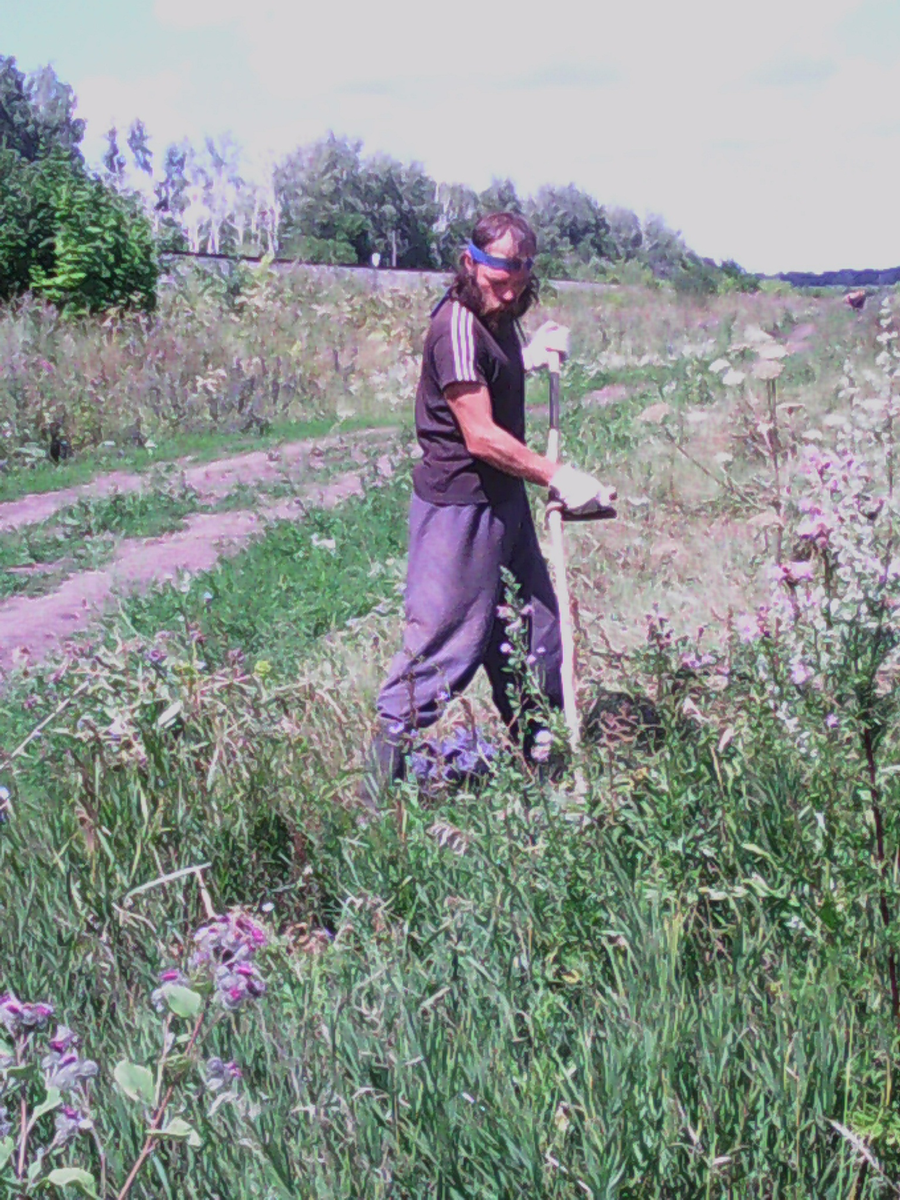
(800, 674)
(797, 572)
(816, 527)
(746, 627)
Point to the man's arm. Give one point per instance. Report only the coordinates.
(470, 404)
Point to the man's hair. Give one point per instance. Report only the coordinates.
(489, 229)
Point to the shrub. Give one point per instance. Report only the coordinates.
(67, 236)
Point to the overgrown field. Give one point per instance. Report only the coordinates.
(662, 970)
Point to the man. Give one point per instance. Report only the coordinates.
(469, 515)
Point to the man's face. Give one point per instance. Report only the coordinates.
(500, 290)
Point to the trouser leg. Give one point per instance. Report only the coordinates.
(453, 581)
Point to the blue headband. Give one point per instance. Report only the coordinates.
(499, 264)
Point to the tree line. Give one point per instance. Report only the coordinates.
(89, 238)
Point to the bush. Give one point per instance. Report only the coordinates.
(67, 236)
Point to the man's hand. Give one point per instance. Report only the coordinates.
(549, 338)
(579, 493)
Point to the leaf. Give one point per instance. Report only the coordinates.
(136, 1082)
(75, 1177)
(181, 1000)
(179, 1128)
(7, 1146)
(53, 1100)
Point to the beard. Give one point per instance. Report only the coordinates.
(466, 291)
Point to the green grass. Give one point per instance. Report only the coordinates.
(675, 987)
(201, 447)
(83, 535)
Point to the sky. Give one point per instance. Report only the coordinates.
(766, 132)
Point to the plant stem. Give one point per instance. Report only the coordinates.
(23, 1119)
(773, 415)
(875, 793)
(156, 1120)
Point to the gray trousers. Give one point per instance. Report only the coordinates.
(453, 589)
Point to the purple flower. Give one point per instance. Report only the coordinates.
(66, 1071)
(170, 976)
(69, 1122)
(505, 648)
(831, 721)
(63, 1040)
(17, 1016)
(219, 1073)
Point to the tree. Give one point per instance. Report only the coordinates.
(400, 206)
(139, 145)
(500, 196)
(65, 235)
(63, 232)
(113, 158)
(320, 193)
(571, 228)
(37, 114)
(458, 209)
(663, 250)
(625, 234)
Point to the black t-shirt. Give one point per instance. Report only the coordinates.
(460, 349)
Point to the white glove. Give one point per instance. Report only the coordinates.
(577, 491)
(550, 337)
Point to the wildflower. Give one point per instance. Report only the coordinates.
(227, 939)
(66, 1071)
(63, 1040)
(168, 978)
(800, 674)
(19, 1017)
(68, 1123)
(797, 572)
(236, 984)
(505, 648)
(219, 1073)
(746, 627)
(831, 721)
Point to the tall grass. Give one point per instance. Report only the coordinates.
(673, 987)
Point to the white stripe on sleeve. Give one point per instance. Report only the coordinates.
(469, 359)
(456, 341)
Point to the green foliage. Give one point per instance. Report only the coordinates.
(66, 236)
(37, 114)
(570, 225)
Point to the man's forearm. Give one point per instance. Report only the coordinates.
(500, 449)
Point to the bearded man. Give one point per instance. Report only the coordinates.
(469, 515)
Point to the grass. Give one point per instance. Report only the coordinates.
(198, 447)
(675, 988)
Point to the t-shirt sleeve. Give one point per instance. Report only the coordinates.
(455, 348)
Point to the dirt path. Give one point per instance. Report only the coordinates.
(33, 628)
(211, 480)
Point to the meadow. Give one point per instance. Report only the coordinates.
(666, 968)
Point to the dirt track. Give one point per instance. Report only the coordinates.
(34, 628)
